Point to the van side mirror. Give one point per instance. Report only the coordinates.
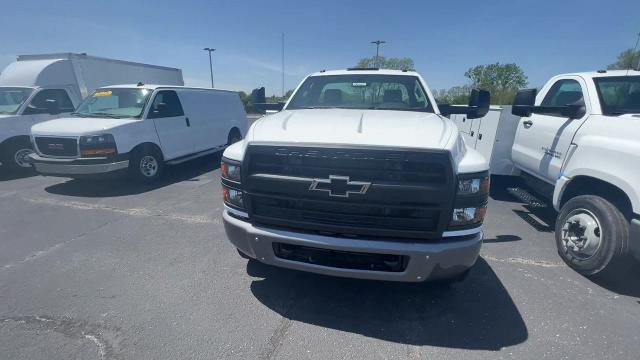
(523, 102)
(52, 107)
(479, 102)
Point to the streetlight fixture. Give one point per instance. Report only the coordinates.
(378, 43)
(210, 50)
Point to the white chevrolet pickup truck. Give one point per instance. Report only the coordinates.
(578, 143)
(360, 175)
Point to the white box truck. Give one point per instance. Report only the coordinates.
(37, 88)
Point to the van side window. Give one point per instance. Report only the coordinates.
(563, 92)
(39, 103)
(165, 104)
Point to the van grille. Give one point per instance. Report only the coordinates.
(410, 194)
(57, 146)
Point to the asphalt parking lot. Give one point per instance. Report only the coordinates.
(105, 269)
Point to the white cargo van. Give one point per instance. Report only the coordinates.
(138, 128)
(38, 88)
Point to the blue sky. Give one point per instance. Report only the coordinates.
(444, 38)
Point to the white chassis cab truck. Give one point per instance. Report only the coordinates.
(37, 88)
(578, 143)
(360, 175)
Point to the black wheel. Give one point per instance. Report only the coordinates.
(234, 136)
(14, 155)
(592, 235)
(146, 165)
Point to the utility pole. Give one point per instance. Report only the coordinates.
(283, 65)
(210, 50)
(378, 42)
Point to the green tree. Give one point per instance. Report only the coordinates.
(384, 63)
(502, 80)
(456, 95)
(628, 59)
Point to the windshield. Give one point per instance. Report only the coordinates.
(619, 94)
(361, 91)
(11, 98)
(115, 102)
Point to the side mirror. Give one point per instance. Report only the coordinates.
(52, 107)
(479, 102)
(575, 110)
(523, 102)
(258, 96)
(478, 107)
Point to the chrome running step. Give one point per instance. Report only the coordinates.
(526, 197)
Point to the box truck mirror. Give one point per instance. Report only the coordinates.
(523, 102)
(478, 107)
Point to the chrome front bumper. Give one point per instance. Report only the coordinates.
(427, 261)
(62, 167)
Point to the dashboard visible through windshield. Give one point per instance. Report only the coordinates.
(114, 102)
(362, 91)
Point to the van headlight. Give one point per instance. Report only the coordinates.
(97, 145)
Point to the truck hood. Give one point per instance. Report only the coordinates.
(77, 126)
(356, 127)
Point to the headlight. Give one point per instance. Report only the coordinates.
(97, 145)
(473, 184)
(468, 216)
(232, 197)
(230, 170)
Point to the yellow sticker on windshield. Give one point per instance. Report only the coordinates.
(103, 93)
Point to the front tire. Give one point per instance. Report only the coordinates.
(15, 155)
(592, 235)
(146, 165)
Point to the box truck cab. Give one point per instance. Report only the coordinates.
(577, 143)
(138, 128)
(37, 88)
(360, 175)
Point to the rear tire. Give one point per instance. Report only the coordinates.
(592, 235)
(14, 155)
(146, 165)
(234, 137)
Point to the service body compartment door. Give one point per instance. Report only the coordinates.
(542, 141)
(173, 127)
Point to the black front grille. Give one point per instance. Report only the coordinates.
(409, 196)
(55, 146)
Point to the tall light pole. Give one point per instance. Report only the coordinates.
(210, 50)
(378, 42)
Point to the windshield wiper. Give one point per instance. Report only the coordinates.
(109, 115)
(79, 114)
(623, 111)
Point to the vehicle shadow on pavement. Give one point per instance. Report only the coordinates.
(122, 185)
(477, 313)
(621, 282)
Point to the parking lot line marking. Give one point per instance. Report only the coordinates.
(522, 261)
(137, 212)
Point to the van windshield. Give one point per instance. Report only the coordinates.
(619, 94)
(115, 103)
(11, 98)
(361, 91)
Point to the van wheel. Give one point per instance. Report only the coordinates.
(146, 165)
(234, 137)
(592, 235)
(15, 155)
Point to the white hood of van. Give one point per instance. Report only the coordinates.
(77, 126)
(356, 127)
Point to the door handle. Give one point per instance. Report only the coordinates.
(527, 123)
(479, 136)
(472, 133)
(187, 121)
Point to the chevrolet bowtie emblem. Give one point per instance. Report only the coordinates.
(340, 186)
